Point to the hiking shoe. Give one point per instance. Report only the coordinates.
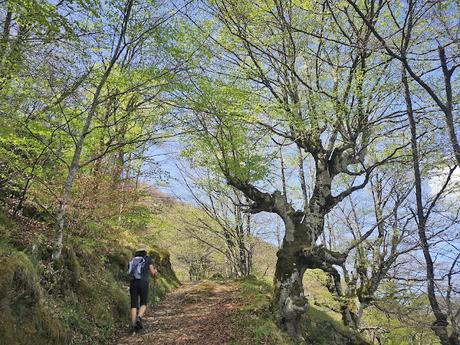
(133, 330)
(139, 323)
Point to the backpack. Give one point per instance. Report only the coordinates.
(136, 265)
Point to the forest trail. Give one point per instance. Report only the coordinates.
(195, 313)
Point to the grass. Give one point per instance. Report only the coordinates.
(200, 294)
(26, 313)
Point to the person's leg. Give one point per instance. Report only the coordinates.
(142, 310)
(134, 292)
(144, 291)
(144, 294)
(133, 316)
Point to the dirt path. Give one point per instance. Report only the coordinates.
(196, 313)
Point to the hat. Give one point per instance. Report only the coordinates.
(142, 248)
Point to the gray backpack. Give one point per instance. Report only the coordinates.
(136, 265)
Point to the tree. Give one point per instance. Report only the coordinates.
(120, 46)
(93, 95)
(285, 54)
(226, 227)
(413, 40)
(412, 47)
(422, 214)
(378, 245)
(30, 32)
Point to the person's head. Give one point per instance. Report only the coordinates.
(141, 250)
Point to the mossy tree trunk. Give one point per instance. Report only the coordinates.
(299, 253)
(299, 250)
(289, 299)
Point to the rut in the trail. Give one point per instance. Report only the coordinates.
(197, 313)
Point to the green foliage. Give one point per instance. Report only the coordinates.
(401, 330)
(229, 145)
(38, 14)
(46, 101)
(243, 77)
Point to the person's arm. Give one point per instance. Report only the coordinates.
(153, 271)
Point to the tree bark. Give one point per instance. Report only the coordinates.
(439, 326)
(302, 177)
(289, 298)
(283, 174)
(449, 106)
(248, 243)
(5, 34)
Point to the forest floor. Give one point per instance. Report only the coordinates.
(193, 314)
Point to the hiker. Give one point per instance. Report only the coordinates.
(139, 268)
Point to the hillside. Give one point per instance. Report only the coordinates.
(379, 324)
(80, 300)
(328, 126)
(84, 299)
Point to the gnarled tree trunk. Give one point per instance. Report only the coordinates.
(289, 299)
(299, 250)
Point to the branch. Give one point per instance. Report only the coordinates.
(399, 57)
(320, 257)
(263, 202)
(439, 194)
(334, 200)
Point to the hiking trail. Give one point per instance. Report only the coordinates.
(193, 314)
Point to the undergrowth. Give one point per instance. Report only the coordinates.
(253, 319)
(80, 300)
(256, 323)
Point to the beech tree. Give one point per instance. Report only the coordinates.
(295, 84)
(381, 233)
(426, 47)
(91, 77)
(424, 39)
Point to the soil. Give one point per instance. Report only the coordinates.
(196, 313)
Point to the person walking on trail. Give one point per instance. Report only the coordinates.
(140, 266)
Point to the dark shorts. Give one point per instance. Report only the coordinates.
(138, 289)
